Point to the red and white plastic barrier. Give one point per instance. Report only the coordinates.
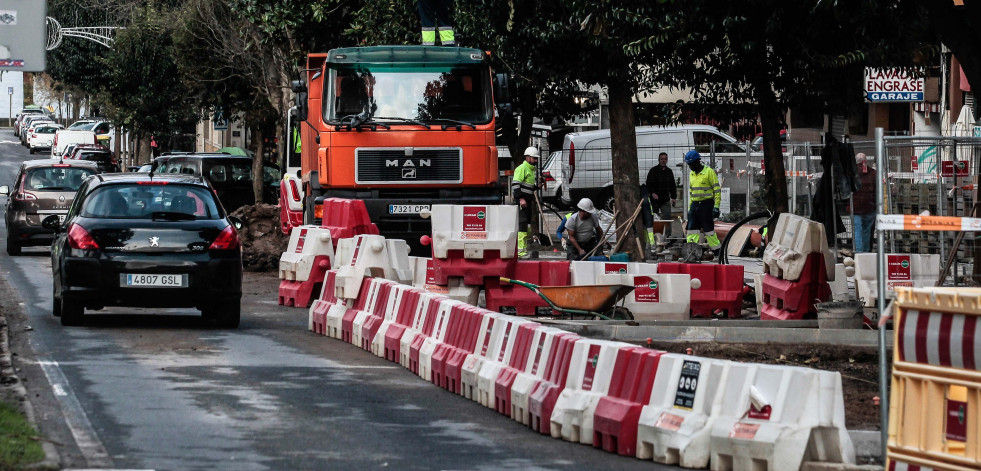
(338, 311)
(370, 255)
(617, 415)
(422, 327)
(518, 362)
(367, 322)
(474, 242)
(718, 290)
(441, 327)
(394, 321)
(545, 344)
(655, 296)
(461, 340)
(541, 403)
(317, 318)
(491, 329)
(798, 265)
(589, 376)
(674, 428)
(290, 203)
(902, 270)
(501, 354)
(303, 265)
(346, 219)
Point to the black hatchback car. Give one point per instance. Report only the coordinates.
(142, 240)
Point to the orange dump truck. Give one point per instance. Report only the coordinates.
(400, 128)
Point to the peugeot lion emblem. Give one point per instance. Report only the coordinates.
(154, 242)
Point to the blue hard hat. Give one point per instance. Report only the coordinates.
(692, 156)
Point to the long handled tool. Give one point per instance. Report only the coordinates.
(541, 222)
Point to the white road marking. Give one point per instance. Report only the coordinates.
(9, 142)
(85, 437)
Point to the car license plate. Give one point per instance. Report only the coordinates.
(144, 280)
(407, 208)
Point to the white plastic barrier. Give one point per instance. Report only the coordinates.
(440, 329)
(904, 270)
(335, 316)
(533, 372)
(675, 427)
(794, 239)
(776, 417)
(490, 331)
(474, 229)
(496, 361)
(839, 287)
(423, 276)
(306, 244)
(758, 287)
(369, 255)
(395, 299)
(371, 309)
(590, 370)
(655, 296)
(424, 309)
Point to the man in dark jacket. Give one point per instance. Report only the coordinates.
(662, 193)
(864, 206)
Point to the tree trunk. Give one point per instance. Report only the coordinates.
(257, 164)
(626, 176)
(776, 177)
(523, 139)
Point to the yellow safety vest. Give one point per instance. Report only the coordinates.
(705, 185)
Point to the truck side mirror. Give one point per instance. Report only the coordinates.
(299, 88)
(502, 91)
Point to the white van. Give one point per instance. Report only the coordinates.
(66, 137)
(585, 166)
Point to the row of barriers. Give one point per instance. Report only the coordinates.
(634, 401)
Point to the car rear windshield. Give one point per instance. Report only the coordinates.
(94, 155)
(228, 171)
(141, 201)
(55, 178)
(46, 130)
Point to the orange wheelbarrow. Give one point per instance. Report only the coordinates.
(589, 300)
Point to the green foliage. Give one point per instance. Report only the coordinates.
(19, 444)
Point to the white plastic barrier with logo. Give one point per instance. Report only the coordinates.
(675, 427)
(369, 255)
(306, 244)
(499, 356)
(440, 328)
(533, 372)
(423, 276)
(794, 238)
(491, 329)
(395, 299)
(474, 229)
(655, 296)
(902, 270)
(423, 311)
(776, 417)
(590, 370)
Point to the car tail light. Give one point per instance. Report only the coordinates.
(227, 240)
(572, 160)
(548, 176)
(33, 135)
(79, 238)
(294, 191)
(24, 196)
(152, 182)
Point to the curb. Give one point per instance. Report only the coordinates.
(51, 459)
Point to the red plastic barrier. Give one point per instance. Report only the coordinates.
(546, 392)
(427, 331)
(346, 218)
(364, 295)
(618, 413)
(783, 300)
(721, 290)
(521, 301)
(300, 293)
(289, 219)
(472, 270)
(320, 307)
(516, 364)
(406, 312)
(377, 314)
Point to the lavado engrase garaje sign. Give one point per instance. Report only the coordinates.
(892, 85)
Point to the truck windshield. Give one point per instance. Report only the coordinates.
(409, 93)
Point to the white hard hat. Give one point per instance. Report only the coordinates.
(860, 158)
(531, 152)
(586, 204)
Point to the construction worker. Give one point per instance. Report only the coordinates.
(523, 188)
(706, 195)
(661, 193)
(584, 230)
(435, 18)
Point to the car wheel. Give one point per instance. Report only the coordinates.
(607, 200)
(227, 316)
(32, 150)
(13, 248)
(55, 301)
(71, 311)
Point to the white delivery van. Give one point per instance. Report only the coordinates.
(66, 137)
(585, 166)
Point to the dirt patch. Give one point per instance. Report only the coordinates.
(859, 368)
(262, 241)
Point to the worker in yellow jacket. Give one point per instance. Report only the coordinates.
(706, 195)
(523, 187)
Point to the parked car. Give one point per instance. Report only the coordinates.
(66, 137)
(230, 175)
(98, 154)
(28, 123)
(132, 239)
(42, 137)
(42, 188)
(29, 132)
(28, 110)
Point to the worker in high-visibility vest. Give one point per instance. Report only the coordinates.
(523, 187)
(436, 22)
(706, 195)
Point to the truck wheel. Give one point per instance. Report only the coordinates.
(607, 200)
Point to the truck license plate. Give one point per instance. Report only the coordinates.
(407, 208)
(154, 281)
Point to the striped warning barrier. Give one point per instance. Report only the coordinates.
(447, 365)
(489, 331)
(936, 383)
(518, 361)
(317, 319)
(336, 313)
(541, 403)
(487, 377)
(674, 428)
(617, 415)
(422, 326)
(589, 376)
(386, 341)
(302, 266)
(545, 345)
(367, 322)
(440, 329)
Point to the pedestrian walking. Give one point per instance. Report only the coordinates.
(662, 194)
(584, 230)
(435, 18)
(523, 187)
(706, 196)
(863, 205)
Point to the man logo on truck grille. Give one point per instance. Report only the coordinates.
(408, 173)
